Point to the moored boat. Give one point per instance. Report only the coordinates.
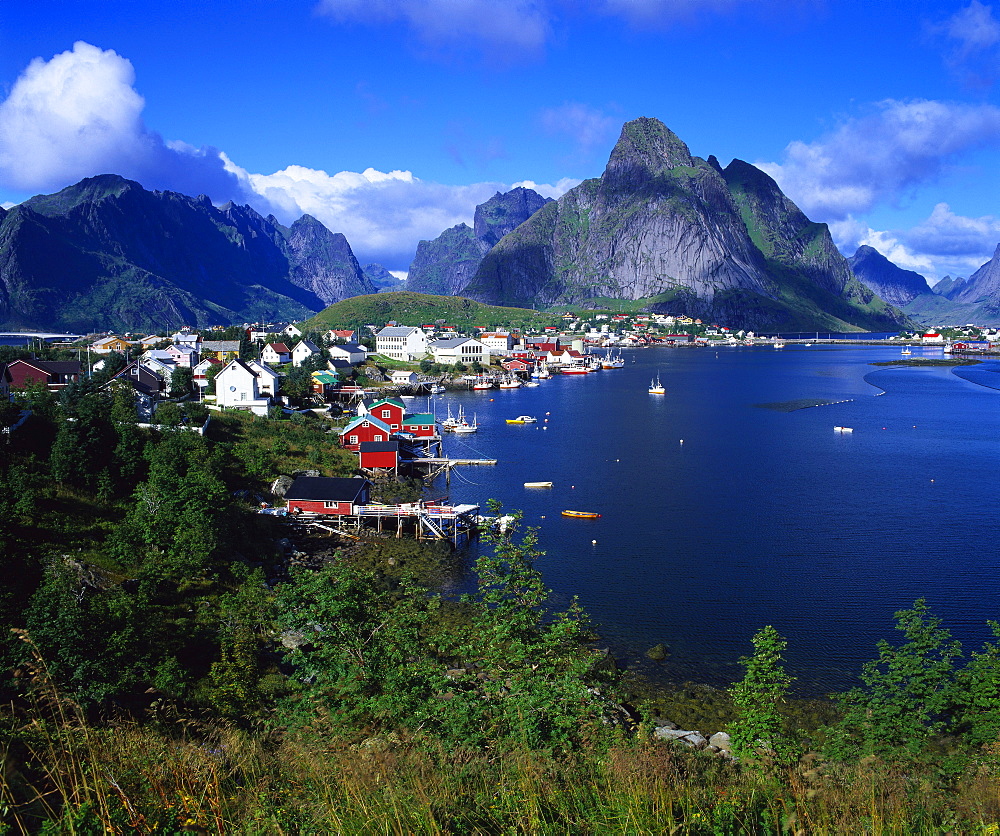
(538, 484)
(587, 515)
(522, 419)
(657, 388)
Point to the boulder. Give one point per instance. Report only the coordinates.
(281, 485)
(693, 739)
(658, 652)
(720, 740)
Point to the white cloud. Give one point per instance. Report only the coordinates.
(877, 158)
(972, 36)
(556, 190)
(942, 244)
(508, 28)
(78, 115)
(589, 128)
(402, 275)
(382, 214)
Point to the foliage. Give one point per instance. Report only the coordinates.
(908, 691)
(759, 724)
(181, 381)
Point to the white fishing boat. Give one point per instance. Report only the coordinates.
(843, 429)
(906, 351)
(657, 388)
(465, 427)
(437, 389)
(510, 383)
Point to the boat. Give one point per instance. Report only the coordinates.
(522, 419)
(779, 344)
(586, 515)
(466, 427)
(510, 383)
(657, 388)
(843, 429)
(541, 371)
(613, 361)
(906, 351)
(538, 484)
(531, 383)
(482, 383)
(437, 389)
(575, 368)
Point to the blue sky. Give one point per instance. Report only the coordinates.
(389, 120)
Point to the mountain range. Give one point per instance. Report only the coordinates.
(683, 235)
(952, 301)
(108, 254)
(660, 229)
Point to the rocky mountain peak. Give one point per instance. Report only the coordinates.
(894, 284)
(645, 150)
(504, 212)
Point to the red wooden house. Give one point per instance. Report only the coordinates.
(389, 411)
(54, 375)
(326, 495)
(379, 455)
(517, 366)
(421, 425)
(364, 428)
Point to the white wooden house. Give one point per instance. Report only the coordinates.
(303, 350)
(238, 386)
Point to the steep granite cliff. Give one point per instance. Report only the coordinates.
(446, 264)
(664, 226)
(894, 284)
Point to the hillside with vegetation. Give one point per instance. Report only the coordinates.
(409, 308)
(173, 661)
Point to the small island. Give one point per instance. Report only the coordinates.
(927, 361)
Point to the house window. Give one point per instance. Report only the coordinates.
(386, 413)
(377, 437)
(352, 439)
(330, 504)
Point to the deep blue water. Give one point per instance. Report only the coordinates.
(761, 516)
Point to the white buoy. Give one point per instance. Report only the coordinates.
(593, 542)
(682, 441)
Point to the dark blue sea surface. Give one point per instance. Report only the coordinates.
(731, 503)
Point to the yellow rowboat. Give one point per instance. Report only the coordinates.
(588, 515)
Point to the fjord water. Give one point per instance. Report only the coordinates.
(728, 504)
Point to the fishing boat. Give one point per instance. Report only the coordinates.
(779, 344)
(541, 371)
(575, 368)
(657, 388)
(531, 383)
(843, 429)
(538, 484)
(449, 423)
(437, 389)
(466, 427)
(510, 383)
(586, 515)
(522, 419)
(906, 351)
(482, 383)
(613, 361)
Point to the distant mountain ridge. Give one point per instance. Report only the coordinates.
(688, 236)
(106, 253)
(446, 264)
(894, 284)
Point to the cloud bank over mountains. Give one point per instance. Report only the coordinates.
(79, 114)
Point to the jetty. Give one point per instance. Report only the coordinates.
(425, 521)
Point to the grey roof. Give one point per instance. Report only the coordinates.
(452, 342)
(309, 344)
(396, 331)
(379, 446)
(354, 348)
(328, 488)
(220, 345)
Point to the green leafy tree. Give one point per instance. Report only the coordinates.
(977, 695)
(759, 724)
(908, 692)
(181, 380)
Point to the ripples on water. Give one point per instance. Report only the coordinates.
(719, 517)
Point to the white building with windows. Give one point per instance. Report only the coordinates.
(238, 386)
(459, 350)
(401, 343)
(500, 343)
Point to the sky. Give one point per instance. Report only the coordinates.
(390, 120)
